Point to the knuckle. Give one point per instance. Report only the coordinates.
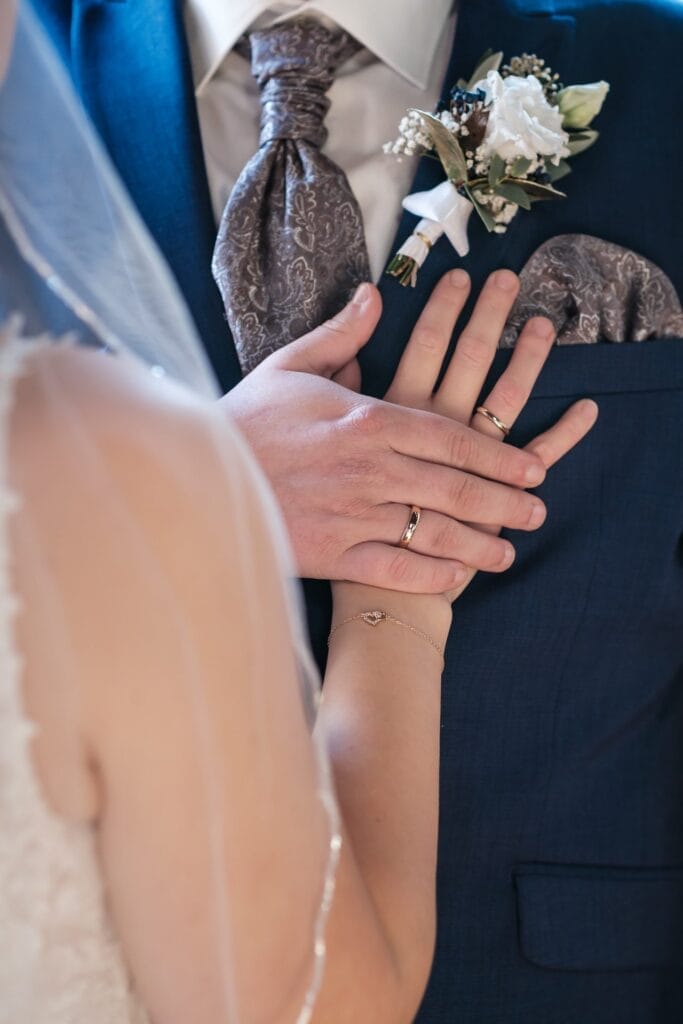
(534, 347)
(510, 392)
(437, 578)
(461, 447)
(504, 461)
(473, 350)
(509, 464)
(428, 339)
(352, 506)
(337, 324)
(367, 419)
(465, 493)
(400, 569)
(447, 537)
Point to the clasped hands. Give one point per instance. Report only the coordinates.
(347, 468)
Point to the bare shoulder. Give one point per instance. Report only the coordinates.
(85, 420)
(103, 449)
(108, 398)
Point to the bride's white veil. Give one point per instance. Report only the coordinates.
(75, 258)
(74, 226)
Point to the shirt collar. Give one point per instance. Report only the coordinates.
(391, 29)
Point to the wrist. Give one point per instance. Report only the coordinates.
(430, 613)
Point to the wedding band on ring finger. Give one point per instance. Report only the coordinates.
(492, 418)
(411, 526)
(442, 537)
(512, 390)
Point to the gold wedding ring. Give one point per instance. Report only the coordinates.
(492, 418)
(411, 527)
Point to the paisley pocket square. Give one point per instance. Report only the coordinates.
(595, 291)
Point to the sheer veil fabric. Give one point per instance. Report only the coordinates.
(76, 261)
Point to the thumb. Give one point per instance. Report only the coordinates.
(336, 342)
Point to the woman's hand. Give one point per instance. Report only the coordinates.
(458, 394)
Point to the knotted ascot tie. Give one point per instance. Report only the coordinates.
(291, 247)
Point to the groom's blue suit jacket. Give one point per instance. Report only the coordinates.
(560, 889)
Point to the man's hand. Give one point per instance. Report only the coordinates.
(346, 468)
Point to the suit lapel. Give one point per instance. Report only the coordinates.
(482, 25)
(131, 65)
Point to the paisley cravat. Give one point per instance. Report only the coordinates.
(291, 247)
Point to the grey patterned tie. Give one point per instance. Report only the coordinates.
(291, 246)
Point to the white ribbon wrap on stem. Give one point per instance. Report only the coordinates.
(443, 211)
(418, 245)
(448, 208)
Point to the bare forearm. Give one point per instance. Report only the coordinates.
(380, 717)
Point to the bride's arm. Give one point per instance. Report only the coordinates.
(380, 715)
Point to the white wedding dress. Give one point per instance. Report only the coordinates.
(60, 962)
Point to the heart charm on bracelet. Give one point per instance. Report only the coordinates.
(373, 618)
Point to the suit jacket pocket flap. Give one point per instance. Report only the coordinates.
(579, 918)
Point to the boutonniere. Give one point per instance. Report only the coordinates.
(503, 140)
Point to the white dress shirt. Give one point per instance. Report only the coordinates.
(406, 47)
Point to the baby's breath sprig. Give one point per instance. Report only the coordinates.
(530, 64)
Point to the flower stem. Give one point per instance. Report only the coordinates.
(404, 268)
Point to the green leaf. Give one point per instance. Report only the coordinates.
(496, 171)
(448, 148)
(536, 190)
(489, 62)
(520, 166)
(489, 222)
(578, 141)
(556, 173)
(514, 194)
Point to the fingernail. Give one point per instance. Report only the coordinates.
(361, 295)
(460, 574)
(534, 475)
(508, 556)
(459, 278)
(505, 280)
(541, 327)
(538, 514)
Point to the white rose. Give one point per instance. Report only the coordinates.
(521, 122)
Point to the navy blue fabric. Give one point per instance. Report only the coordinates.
(565, 913)
(562, 736)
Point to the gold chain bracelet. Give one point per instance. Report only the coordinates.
(375, 616)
